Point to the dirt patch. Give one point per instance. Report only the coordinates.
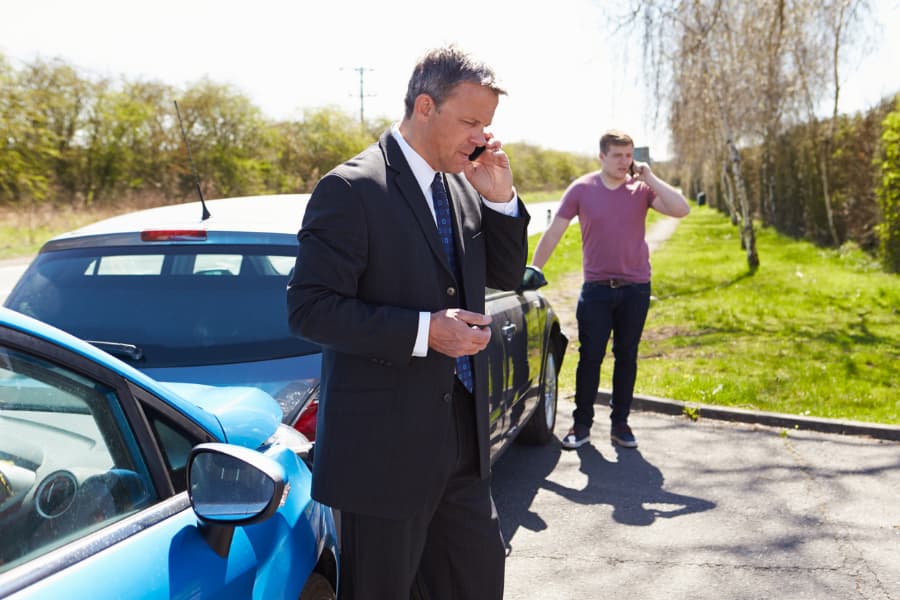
(563, 296)
(667, 331)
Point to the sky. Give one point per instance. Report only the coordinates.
(568, 78)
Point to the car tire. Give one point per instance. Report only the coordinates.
(539, 429)
(317, 588)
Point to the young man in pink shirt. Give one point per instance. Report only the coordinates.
(611, 206)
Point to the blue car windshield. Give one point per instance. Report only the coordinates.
(167, 305)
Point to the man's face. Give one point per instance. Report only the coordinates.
(454, 130)
(615, 163)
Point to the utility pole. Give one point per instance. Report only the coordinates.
(362, 94)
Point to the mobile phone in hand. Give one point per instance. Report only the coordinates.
(476, 153)
(631, 169)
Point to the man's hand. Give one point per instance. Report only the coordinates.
(457, 332)
(490, 173)
(642, 171)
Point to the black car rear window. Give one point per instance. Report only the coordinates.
(170, 305)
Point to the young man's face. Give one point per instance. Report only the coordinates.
(454, 130)
(615, 163)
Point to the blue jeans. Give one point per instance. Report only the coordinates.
(602, 310)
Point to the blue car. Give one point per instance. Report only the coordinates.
(113, 485)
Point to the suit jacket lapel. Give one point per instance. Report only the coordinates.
(412, 194)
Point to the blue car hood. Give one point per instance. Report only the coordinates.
(248, 415)
(282, 378)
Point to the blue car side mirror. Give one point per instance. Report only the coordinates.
(230, 486)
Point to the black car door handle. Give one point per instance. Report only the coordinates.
(509, 330)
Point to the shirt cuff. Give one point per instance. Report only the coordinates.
(421, 346)
(510, 209)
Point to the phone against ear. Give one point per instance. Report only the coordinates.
(476, 153)
(631, 169)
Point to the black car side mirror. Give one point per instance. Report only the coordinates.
(532, 279)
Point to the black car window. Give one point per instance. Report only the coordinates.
(174, 443)
(68, 462)
(167, 305)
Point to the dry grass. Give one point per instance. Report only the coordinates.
(25, 228)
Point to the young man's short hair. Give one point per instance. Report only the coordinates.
(614, 137)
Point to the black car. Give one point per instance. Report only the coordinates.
(203, 301)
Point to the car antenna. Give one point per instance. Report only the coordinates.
(206, 214)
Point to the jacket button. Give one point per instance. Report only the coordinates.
(447, 397)
(451, 291)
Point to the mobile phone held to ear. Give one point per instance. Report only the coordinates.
(476, 153)
(631, 169)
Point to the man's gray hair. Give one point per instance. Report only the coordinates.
(442, 69)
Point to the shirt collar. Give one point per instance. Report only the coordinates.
(421, 170)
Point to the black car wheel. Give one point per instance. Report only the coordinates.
(317, 588)
(539, 429)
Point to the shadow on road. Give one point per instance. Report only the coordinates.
(629, 484)
(517, 477)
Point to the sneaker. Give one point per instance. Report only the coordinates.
(621, 435)
(578, 436)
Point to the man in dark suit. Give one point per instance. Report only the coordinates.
(401, 443)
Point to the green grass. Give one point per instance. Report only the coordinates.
(530, 197)
(813, 332)
(15, 242)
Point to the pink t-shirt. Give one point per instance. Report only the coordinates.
(612, 227)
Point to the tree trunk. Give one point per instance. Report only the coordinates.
(829, 139)
(829, 212)
(728, 195)
(773, 100)
(748, 236)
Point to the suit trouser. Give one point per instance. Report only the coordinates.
(452, 549)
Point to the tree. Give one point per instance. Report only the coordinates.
(889, 191)
(734, 75)
(28, 144)
(230, 141)
(834, 25)
(57, 98)
(697, 49)
(323, 139)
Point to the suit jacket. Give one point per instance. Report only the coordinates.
(369, 261)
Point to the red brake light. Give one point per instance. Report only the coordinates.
(173, 235)
(306, 422)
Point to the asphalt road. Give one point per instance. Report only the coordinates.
(706, 509)
(10, 271)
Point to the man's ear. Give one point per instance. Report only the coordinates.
(424, 106)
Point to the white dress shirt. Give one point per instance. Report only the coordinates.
(424, 175)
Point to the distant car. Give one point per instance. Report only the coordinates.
(113, 485)
(204, 301)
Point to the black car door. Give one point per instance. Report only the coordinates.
(510, 357)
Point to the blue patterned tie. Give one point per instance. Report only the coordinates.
(445, 230)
